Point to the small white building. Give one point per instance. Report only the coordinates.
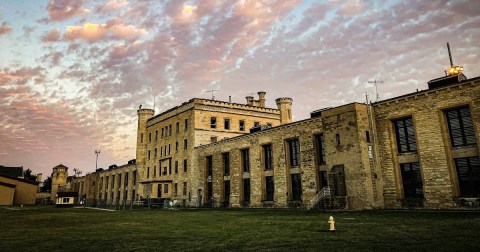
(66, 199)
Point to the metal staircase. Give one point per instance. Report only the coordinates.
(323, 195)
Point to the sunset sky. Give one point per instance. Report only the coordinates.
(73, 72)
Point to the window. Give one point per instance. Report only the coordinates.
(226, 124)
(213, 139)
(154, 171)
(241, 124)
(246, 160)
(165, 188)
(294, 152)
(141, 137)
(168, 149)
(226, 192)
(134, 177)
(186, 124)
(255, 124)
(209, 160)
(213, 122)
(156, 135)
(125, 181)
(185, 166)
(367, 136)
(296, 187)
(460, 127)
(246, 190)
(320, 143)
(185, 144)
(170, 130)
(184, 188)
(176, 147)
(66, 200)
(170, 168)
(468, 172)
(149, 154)
(267, 157)
(163, 131)
(175, 189)
(148, 174)
(149, 137)
(176, 167)
(155, 152)
(269, 125)
(337, 139)
(405, 135)
(412, 180)
(177, 128)
(226, 163)
(269, 188)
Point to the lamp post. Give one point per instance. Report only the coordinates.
(96, 162)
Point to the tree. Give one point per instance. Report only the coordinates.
(29, 176)
(47, 185)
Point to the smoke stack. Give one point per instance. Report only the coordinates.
(249, 100)
(261, 98)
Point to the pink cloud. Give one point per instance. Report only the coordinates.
(111, 5)
(65, 9)
(51, 36)
(114, 29)
(5, 28)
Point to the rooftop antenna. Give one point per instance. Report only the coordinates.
(213, 90)
(154, 104)
(376, 88)
(453, 70)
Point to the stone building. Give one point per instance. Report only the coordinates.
(428, 145)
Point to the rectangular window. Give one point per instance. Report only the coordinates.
(405, 134)
(226, 192)
(226, 124)
(163, 131)
(320, 143)
(186, 124)
(170, 130)
(269, 125)
(185, 165)
(460, 127)
(141, 137)
(176, 147)
(367, 136)
(165, 188)
(246, 160)
(412, 180)
(154, 171)
(177, 128)
(468, 173)
(184, 188)
(156, 135)
(185, 144)
(155, 152)
(125, 181)
(66, 200)
(246, 190)
(149, 137)
(209, 160)
(134, 177)
(176, 167)
(255, 124)
(148, 174)
(175, 189)
(213, 139)
(337, 139)
(226, 164)
(241, 124)
(294, 152)
(149, 154)
(269, 188)
(267, 157)
(213, 122)
(296, 187)
(168, 149)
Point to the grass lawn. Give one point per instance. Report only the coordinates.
(47, 229)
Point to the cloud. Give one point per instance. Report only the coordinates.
(65, 9)
(111, 6)
(5, 28)
(51, 36)
(113, 29)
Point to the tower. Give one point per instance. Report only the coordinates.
(142, 140)
(59, 179)
(284, 104)
(261, 98)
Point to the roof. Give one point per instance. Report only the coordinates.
(60, 166)
(7, 185)
(11, 171)
(20, 179)
(67, 194)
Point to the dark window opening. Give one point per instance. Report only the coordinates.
(213, 122)
(246, 160)
(412, 180)
(296, 187)
(177, 128)
(405, 134)
(267, 155)
(294, 152)
(213, 139)
(269, 188)
(226, 124)
(337, 139)
(367, 135)
(209, 166)
(186, 124)
(468, 173)
(176, 167)
(226, 164)
(320, 143)
(242, 125)
(148, 176)
(246, 190)
(226, 192)
(255, 124)
(185, 144)
(460, 127)
(185, 166)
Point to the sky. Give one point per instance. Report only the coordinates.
(74, 72)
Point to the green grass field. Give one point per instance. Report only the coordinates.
(50, 229)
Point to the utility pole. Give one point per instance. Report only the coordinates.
(96, 162)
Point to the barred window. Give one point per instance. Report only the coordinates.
(468, 172)
(460, 126)
(412, 180)
(405, 134)
(294, 152)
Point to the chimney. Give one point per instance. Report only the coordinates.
(261, 98)
(249, 100)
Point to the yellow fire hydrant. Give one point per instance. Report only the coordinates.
(331, 221)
